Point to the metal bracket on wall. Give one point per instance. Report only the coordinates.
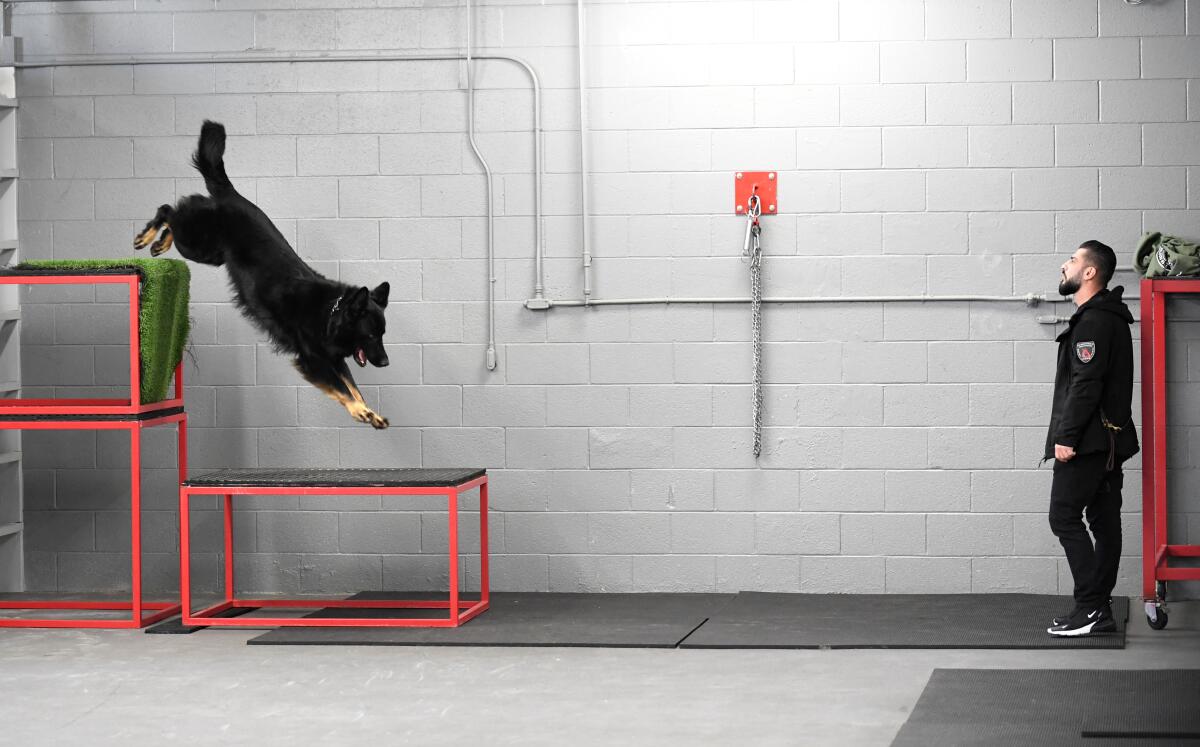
(763, 183)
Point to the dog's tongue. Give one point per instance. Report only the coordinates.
(360, 357)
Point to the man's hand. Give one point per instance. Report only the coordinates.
(1063, 453)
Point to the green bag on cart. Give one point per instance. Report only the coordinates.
(1161, 256)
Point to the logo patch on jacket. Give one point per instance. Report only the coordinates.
(1164, 259)
(1085, 351)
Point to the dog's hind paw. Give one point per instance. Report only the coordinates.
(143, 239)
(163, 244)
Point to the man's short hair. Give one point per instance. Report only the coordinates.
(1103, 258)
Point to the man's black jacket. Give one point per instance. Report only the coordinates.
(1094, 382)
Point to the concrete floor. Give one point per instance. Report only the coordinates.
(62, 687)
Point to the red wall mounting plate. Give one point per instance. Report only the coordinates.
(746, 183)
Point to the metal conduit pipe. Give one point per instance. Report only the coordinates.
(584, 160)
(1029, 299)
(98, 60)
(490, 359)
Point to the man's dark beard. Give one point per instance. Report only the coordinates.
(1067, 286)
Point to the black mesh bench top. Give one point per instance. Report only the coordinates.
(17, 271)
(301, 477)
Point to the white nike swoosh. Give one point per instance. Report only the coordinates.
(1072, 633)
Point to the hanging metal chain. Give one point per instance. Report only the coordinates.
(753, 250)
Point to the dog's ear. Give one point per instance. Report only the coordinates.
(380, 294)
(358, 301)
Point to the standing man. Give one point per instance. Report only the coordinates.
(1091, 434)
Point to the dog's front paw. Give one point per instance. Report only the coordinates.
(370, 417)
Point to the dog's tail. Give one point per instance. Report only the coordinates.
(209, 159)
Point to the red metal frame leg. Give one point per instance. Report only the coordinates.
(483, 542)
(135, 482)
(229, 587)
(185, 556)
(453, 520)
(182, 455)
(1148, 464)
(135, 378)
(1159, 515)
(135, 447)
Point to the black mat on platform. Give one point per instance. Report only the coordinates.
(1051, 707)
(37, 271)
(162, 413)
(760, 620)
(530, 619)
(410, 477)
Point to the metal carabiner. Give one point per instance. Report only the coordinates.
(754, 209)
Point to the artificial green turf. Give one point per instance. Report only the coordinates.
(163, 321)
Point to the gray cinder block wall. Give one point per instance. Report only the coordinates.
(932, 147)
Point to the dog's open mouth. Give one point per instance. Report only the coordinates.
(360, 357)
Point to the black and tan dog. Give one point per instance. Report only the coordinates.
(319, 321)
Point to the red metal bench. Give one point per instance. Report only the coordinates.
(450, 483)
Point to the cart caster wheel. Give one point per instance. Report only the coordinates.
(1156, 616)
(1160, 590)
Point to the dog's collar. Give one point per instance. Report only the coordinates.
(335, 306)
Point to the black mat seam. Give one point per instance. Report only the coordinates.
(679, 643)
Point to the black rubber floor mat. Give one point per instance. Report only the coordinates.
(924, 621)
(986, 707)
(526, 619)
(1148, 705)
(175, 626)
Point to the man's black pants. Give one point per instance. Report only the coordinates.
(1083, 486)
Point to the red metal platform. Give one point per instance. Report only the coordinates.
(101, 414)
(459, 610)
(1156, 553)
(102, 406)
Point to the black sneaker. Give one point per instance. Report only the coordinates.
(1086, 622)
(1062, 620)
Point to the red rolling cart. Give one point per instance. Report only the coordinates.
(126, 414)
(1156, 553)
